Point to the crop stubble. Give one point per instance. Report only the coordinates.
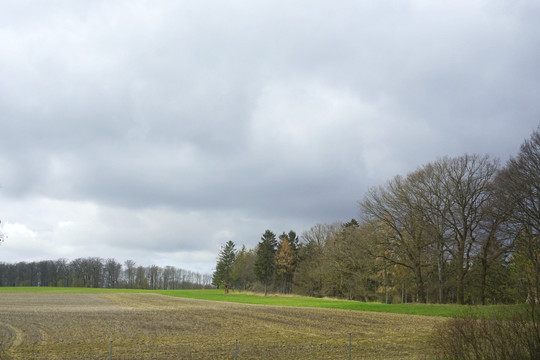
(151, 326)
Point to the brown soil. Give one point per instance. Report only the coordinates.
(151, 326)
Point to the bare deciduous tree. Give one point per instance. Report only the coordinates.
(403, 229)
(113, 269)
(466, 184)
(521, 179)
(130, 272)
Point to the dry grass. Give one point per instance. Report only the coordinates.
(151, 326)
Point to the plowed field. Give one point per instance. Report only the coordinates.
(151, 326)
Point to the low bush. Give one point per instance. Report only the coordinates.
(509, 336)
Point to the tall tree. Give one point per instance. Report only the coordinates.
(169, 277)
(350, 264)
(285, 263)
(242, 270)
(141, 282)
(130, 272)
(311, 270)
(402, 227)
(495, 236)
(94, 268)
(154, 273)
(265, 267)
(521, 179)
(113, 270)
(467, 193)
(62, 272)
(223, 272)
(426, 183)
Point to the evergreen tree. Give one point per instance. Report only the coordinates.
(351, 224)
(265, 266)
(294, 241)
(227, 256)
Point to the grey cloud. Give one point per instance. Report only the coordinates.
(276, 112)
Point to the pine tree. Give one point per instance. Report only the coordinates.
(294, 241)
(265, 266)
(227, 255)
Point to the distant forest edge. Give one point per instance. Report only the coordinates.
(461, 230)
(458, 230)
(95, 272)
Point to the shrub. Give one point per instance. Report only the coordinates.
(510, 336)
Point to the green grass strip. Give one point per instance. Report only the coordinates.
(444, 310)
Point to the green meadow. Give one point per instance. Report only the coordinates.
(443, 310)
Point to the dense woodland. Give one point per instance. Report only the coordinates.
(98, 273)
(458, 230)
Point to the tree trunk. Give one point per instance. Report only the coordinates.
(483, 281)
(441, 283)
(420, 284)
(385, 285)
(440, 268)
(460, 272)
(460, 291)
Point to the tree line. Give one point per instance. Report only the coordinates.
(457, 230)
(95, 272)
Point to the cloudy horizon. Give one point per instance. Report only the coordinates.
(157, 131)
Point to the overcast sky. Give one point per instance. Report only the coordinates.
(158, 130)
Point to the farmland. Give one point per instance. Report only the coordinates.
(152, 326)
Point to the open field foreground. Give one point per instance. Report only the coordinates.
(152, 326)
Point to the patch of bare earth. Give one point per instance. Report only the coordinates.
(150, 326)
